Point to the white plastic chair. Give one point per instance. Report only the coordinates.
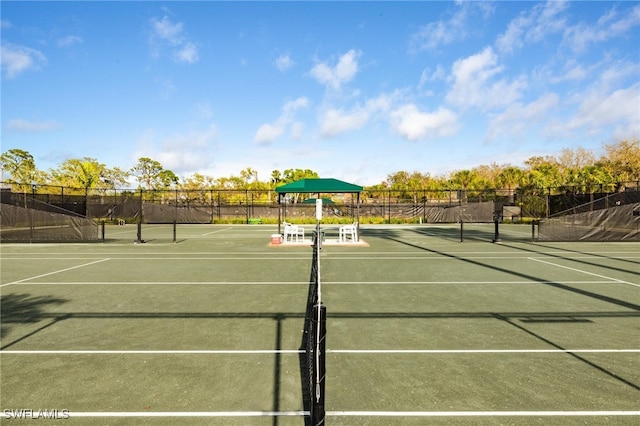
(349, 232)
(293, 232)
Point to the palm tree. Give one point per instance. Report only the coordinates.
(509, 178)
(464, 180)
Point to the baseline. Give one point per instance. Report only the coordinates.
(299, 351)
(481, 413)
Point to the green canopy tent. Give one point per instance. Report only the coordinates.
(319, 186)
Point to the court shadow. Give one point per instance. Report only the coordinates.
(484, 232)
(595, 255)
(26, 309)
(633, 307)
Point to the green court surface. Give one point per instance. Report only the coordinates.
(423, 327)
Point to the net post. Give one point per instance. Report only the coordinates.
(174, 231)
(102, 231)
(139, 233)
(318, 400)
(496, 232)
(460, 216)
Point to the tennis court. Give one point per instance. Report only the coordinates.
(425, 325)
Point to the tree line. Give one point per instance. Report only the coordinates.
(575, 169)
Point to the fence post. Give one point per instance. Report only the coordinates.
(211, 203)
(548, 200)
(389, 204)
(31, 210)
(246, 202)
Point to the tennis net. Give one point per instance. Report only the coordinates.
(313, 342)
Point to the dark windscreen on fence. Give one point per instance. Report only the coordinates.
(375, 206)
(24, 219)
(612, 218)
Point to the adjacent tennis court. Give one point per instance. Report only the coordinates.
(425, 324)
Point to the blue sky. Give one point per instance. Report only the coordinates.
(351, 90)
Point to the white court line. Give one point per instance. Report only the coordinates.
(151, 258)
(631, 255)
(155, 352)
(83, 283)
(584, 272)
(477, 351)
(213, 256)
(353, 413)
(188, 414)
(54, 272)
(480, 413)
(299, 351)
(215, 232)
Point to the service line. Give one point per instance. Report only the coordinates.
(55, 272)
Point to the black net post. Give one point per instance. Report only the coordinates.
(460, 215)
(174, 231)
(102, 231)
(496, 232)
(139, 233)
(319, 371)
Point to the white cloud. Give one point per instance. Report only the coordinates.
(447, 31)
(616, 74)
(610, 25)
(440, 33)
(573, 72)
(291, 107)
(20, 125)
(164, 32)
(534, 25)
(297, 130)
(512, 38)
(474, 84)
(16, 59)
(619, 109)
(382, 103)
(187, 53)
(334, 122)
(182, 153)
(428, 76)
(518, 118)
(548, 20)
(341, 73)
(269, 132)
(167, 30)
(412, 124)
(284, 62)
(69, 41)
